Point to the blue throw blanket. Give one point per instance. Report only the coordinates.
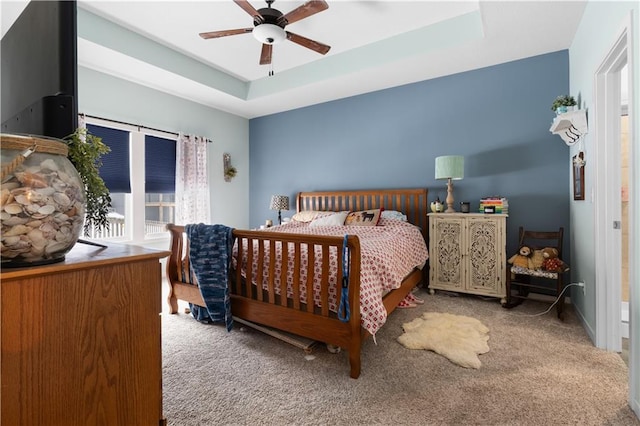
(210, 251)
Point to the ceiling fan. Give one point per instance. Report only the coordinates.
(269, 27)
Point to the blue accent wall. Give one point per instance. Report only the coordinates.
(497, 117)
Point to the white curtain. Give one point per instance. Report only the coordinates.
(81, 122)
(192, 185)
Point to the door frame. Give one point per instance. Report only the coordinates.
(607, 204)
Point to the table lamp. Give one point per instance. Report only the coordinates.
(279, 202)
(450, 167)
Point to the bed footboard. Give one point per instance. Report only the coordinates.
(277, 302)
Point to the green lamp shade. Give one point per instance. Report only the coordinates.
(450, 166)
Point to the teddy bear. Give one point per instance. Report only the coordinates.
(551, 261)
(536, 259)
(521, 258)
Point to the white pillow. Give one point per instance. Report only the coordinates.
(309, 215)
(336, 219)
(393, 214)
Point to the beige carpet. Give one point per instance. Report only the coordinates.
(539, 372)
(458, 338)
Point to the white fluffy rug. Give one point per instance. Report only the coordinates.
(461, 339)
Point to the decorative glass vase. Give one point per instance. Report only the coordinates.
(42, 204)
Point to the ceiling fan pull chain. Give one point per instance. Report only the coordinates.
(271, 69)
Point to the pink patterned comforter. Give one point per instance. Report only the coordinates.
(390, 251)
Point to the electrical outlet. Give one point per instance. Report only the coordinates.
(583, 286)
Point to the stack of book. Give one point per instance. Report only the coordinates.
(499, 204)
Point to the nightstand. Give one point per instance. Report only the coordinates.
(467, 253)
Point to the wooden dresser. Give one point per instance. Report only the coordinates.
(467, 253)
(80, 339)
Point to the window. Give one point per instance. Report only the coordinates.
(140, 174)
(160, 183)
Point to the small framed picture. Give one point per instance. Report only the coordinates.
(578, 176)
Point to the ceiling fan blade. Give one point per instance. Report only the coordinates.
(306, 10)
(265, 56)
(308, 43)
(224, 33)
(246, 6)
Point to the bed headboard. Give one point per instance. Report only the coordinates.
(412, 202)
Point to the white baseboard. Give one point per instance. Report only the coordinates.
(635, 406)
(587, 327)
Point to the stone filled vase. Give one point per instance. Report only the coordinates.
(42, 204)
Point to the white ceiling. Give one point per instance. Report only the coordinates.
(374, 45)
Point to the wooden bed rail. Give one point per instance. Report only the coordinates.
(278, 304)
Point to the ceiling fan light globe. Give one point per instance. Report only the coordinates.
(269, 33)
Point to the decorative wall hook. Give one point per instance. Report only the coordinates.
(570, 126)
(229, 171)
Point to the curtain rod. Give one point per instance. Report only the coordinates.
(139, 126)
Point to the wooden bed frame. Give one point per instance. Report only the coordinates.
(289, 314)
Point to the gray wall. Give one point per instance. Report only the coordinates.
(498, 118)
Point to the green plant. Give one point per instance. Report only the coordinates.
(230, 172)
(85, 152)
(564, 100)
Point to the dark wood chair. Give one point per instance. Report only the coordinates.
(525, 281)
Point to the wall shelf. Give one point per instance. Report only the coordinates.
(570, 126)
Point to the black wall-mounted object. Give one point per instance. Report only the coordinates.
(39, 71)
(49, 116)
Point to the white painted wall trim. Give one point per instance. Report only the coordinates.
(634, 210)
(628, 35)
(606, 202)
(591, 332)
(607, 206)
(625, 320)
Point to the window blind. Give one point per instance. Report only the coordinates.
(160, 165)
(115, 164)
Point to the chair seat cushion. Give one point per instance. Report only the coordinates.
(534, 272)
